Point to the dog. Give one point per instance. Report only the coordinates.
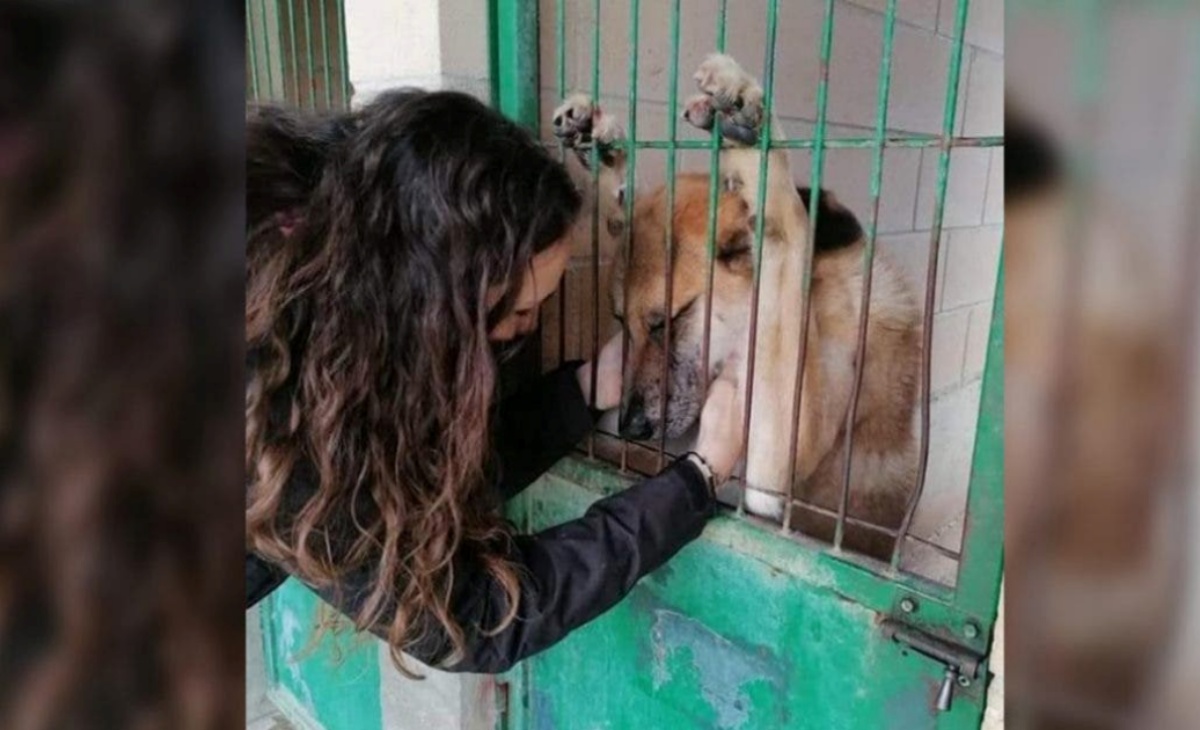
(885, 453)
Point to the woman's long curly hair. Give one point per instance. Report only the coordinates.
(374, 238)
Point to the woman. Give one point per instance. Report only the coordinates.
(391, 251)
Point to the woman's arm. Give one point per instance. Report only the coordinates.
(545, 419)
(538, 425)
(570, 573)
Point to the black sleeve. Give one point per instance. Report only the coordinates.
(570, 574)
(262, 578)
(538, 425)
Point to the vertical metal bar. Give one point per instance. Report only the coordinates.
(764, 144)
(266, 35)
(815, 178)
(291, 5)
(630, 180)
(250, 44)
(308, 53)
(515, 61)
(935, 238)
(343, 53)
(714, 185)
(560, 37)
(978, 585)
(672, 131)
(860, 353)
(594, 159)
(325, 55)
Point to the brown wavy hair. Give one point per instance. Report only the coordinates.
(121, 366)
(373, 239)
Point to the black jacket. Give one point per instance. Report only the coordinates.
(570, 573)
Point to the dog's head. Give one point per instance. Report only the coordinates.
(640, 302)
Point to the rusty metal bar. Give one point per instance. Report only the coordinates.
(325, 54)
(714, 185)
(860, 352)
(764, 156)
(594, 160)
(935, 237)
(291, 6)
(560, 34)
(896, 141)
(672, 130)
(630, 189)
(818, 166)
(251, 44)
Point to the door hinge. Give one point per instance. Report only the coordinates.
(962, 664)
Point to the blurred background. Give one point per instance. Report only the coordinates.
(120, 417)
(1102, 185)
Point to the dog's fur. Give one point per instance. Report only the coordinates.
(883, 472)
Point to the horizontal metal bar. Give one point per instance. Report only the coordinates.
(808, 144)
(609, 446)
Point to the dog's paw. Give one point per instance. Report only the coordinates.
(572, 120)
(578, 122)
(765, 505)
(730, 92)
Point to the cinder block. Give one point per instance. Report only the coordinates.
(949, 343)
(985, 23)
(951, 444)
(848, 174)
(977, 341)
(921, 12)
(910, 252)
(965, 190)
(984, 109)
(993, 207)
(973, 259)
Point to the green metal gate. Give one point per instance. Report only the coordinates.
(750, 626)
(296, 53)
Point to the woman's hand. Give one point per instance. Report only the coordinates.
(607, 369)
(721, 441)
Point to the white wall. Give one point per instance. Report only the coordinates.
(421, 43)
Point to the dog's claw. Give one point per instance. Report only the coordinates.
(739, 133)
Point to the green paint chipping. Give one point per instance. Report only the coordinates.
(742, 629)
(335, 681)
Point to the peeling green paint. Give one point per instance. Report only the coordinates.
(334, 681)
(743, 629)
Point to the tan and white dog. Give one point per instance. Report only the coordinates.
(883, 470)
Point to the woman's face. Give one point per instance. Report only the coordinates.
(541, 280)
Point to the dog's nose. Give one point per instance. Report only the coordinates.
(634, 424)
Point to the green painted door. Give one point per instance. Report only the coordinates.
(749, 629)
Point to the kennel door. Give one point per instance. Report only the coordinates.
(746, 628)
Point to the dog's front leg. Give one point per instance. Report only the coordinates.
(582, 125)
(735, 98)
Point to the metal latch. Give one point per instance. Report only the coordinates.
(962, 664)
